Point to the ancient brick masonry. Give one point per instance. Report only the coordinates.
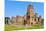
(30, 18)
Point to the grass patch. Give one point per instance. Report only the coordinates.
(11, 27)
(36, 27)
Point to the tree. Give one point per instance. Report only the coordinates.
(7, 20)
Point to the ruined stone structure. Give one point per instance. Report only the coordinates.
(18, 20)
(30, 15)
(29, 19)
(32, 18)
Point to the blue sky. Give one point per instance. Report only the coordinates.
(13, 8)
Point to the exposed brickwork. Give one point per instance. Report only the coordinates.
(29, 19)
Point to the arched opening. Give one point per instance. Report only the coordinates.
(25, 22)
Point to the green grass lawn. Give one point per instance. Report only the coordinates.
(11, 27)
